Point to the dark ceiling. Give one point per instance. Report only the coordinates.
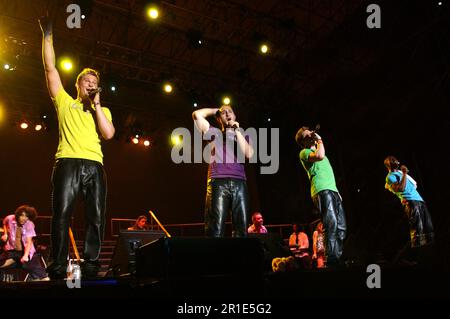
(137, 54)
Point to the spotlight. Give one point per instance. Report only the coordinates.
(153, 13)
(176, 140)
(439, 3)
(38, 127)
(24, 125)
(168, 88)
(6, 66)
(268, 120)
(66, 64)
(146, 143)
(113, 88)
(195, 104)
(135, 140)
(195, 38)
(226, 100)
(83, 16)
(264, 48)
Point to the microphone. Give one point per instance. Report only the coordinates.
(95, 91)
(232, 126)
(316, 129)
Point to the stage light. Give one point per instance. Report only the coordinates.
(6, 66)
(195, 104)
(168, 88)
(176, 140)
(24, 125)
(268, 120)
(135, 140)
(439, 3)
(83, 16)
(264, 48)
(146, 143)
(66, 64)
(2, 113)
(38, 127)
(153, 13)
(113, 88)
(195, 38)
(226, 100)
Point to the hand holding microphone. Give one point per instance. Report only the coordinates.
(314, 134)
(95, 91)
(233, 124)
(404, 169)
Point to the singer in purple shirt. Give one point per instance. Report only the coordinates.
(226, 185)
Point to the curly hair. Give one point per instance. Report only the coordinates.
(29, 211)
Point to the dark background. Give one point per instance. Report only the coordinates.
(375, 92)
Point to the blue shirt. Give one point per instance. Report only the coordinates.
(410, 192)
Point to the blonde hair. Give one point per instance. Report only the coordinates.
(87, 71)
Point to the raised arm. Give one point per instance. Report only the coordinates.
(400, 187)
(48, 55)
(200, 116)
(319, 153)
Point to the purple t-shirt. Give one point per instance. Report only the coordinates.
(227, 161)
(27, 232)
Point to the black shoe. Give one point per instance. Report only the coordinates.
(57, 271)
(89, 269)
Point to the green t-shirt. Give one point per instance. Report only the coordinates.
(78, 137)
(320, 173)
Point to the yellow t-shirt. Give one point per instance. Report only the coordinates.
(78, 136)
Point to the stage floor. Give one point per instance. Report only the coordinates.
(395, 282)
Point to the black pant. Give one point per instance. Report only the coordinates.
(223, 195)
(329, 204)
(71, 178)
(32, 266)
(420, 225)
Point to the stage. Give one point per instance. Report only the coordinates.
(314, 285)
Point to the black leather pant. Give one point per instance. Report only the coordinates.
(420, 225)
(329, 204)
(71, 178)
(223, 195)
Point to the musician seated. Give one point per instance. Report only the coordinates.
(19, 247)
(140, 224)
(299, 246)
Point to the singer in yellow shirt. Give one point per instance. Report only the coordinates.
(78, 169)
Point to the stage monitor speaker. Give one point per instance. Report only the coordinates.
(179, 257)
(124, 257)
(274, 247)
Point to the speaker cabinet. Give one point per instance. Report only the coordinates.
(179, 257)
(124, 257)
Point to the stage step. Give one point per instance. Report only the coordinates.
(106, 254)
